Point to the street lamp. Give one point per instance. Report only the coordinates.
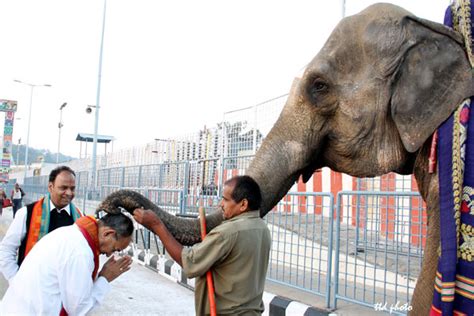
(60, 125)
(32, 86)
(343, 8)
(18, 152)
(97, 106)
(89, 109)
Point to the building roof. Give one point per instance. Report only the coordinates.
(83, 137)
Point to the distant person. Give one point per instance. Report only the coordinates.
(3, 198)
(237, 251)
(17, 198)
(59, 276)
(39, 218)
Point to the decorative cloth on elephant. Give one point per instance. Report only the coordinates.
(454, 282)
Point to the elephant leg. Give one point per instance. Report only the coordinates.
(423, 294)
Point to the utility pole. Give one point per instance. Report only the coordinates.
(18, 152)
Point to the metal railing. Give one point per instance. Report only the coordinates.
(301, 253)
(379, 244)
(373, 255)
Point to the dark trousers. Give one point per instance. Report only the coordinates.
(16, 205)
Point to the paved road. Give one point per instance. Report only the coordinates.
(140, 291)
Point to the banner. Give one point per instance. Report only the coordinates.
(9, 107)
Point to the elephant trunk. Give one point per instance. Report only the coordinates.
(270, 169)
(281, 157)
(187, 231)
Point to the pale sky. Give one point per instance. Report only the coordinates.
(169, 67)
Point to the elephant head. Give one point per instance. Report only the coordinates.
(365, 105)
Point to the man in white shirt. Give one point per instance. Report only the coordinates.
(37, 219)
(59, 275)
(17, 197)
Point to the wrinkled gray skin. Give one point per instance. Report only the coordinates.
(186, 230)
(366, 105)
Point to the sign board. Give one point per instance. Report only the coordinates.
(9, 107)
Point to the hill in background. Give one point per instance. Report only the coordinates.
(18, 155)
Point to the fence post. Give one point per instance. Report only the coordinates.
(122, 181)
(337, 236)
(221, 176)
(139, 180)
(182, 209)
(222, 156)
(357, 220)
(84, 199)
(160, 176)
(185, 188)
(330, 247)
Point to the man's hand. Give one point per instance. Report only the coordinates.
(151, 221)
(113, 268)
(146, 217)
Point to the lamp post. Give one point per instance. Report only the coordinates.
(32, 86)
(18, 152)
(343, 8)
(60, 125)
(97, 106)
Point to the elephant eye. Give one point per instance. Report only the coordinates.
(317, 88)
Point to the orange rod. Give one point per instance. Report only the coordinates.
(210, 283)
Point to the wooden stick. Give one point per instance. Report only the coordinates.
(210, 283)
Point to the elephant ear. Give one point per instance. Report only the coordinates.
(432, 79)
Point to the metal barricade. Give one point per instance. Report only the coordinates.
(375, 258)
(379, 245)
(301, 255)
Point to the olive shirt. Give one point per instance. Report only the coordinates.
(237, 252)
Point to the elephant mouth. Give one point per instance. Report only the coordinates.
(308, 171)
(316, 161)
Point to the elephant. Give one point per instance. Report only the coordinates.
(366, 105)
